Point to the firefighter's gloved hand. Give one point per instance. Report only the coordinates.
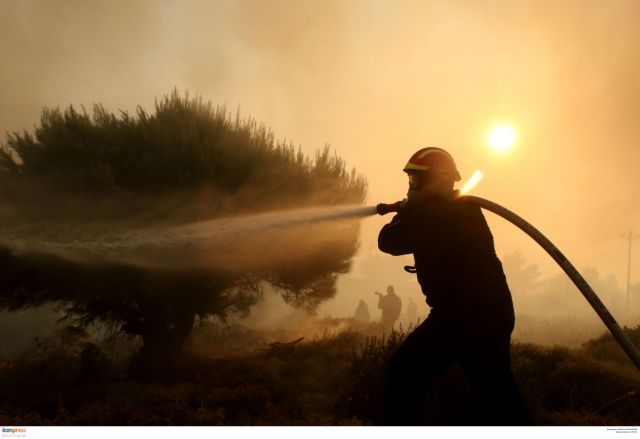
(383, 209)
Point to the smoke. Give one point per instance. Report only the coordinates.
(378, 80)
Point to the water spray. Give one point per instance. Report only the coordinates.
(621, 337)
(204, 243)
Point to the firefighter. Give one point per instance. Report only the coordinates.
(391, 307)
(362, 312)
(471, 312)
(412, 312)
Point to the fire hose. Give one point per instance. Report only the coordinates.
(621, 337)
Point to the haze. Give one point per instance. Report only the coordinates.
(378, 80)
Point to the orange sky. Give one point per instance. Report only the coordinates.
(378, 80)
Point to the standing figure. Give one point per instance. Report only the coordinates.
(412, 312)
(362, 312)
(471, 316)
(391, 306)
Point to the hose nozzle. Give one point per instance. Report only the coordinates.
(383, 209)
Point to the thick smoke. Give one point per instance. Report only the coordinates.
(379, 80)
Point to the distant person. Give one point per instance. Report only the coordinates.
(362, 312)
(412, 312)
(471, 316)
(391, 306)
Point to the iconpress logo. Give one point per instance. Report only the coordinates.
(14, 432)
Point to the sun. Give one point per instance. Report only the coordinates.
(501, 138)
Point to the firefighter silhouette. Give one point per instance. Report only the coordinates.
(471, 311)
(391, 305)
(362, 312)
(412, 312)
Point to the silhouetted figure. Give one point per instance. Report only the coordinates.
(391, 306)
(362, 312)
(471, 316)
(412, 312)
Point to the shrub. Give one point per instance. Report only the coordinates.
(83, 182)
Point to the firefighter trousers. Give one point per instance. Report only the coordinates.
(430, 350)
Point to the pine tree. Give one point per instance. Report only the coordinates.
(188, 161)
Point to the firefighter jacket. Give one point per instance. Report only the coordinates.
(455, 260)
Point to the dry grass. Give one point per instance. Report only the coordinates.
(335, 379)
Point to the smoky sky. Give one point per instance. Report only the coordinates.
(378, 80)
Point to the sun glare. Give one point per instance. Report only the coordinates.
(501, 138)
(473, 182)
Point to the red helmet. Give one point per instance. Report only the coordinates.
(435, 160)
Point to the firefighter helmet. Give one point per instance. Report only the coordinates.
(433, 160)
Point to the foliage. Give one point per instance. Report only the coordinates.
(606, 348)
(363, 394)
(185, 145)
(329, 380)
(80, 176)
(297, 386)
(569, 387)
